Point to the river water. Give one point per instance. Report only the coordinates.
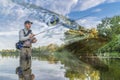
(46, 70)
(43, 70)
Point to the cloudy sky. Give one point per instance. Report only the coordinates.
(12, 17)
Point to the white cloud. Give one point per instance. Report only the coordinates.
(9, 33)
(8, 42)
(86, 4)
(110, 1)
(66, 6)
(97, 10)
(58, 6)
(90, 22)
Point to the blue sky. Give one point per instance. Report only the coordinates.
(102, 10)
(12, 17)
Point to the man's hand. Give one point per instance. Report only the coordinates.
(34, 40)
(31, 35)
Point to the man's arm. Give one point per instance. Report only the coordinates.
(22, 37)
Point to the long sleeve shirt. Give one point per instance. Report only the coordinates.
(21, 35)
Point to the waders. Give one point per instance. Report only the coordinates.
(24, 71)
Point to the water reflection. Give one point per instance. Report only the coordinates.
(42, 69)
(114, 69)
(50, 68)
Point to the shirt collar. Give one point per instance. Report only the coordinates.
(25, 29)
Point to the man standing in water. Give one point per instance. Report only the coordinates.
(27, 37)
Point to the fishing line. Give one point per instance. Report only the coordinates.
(46, 30)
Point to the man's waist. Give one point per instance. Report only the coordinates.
(26, 46)
(24, 40)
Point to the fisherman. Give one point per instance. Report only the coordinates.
(27, 37)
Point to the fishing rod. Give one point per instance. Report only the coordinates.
(46, 30)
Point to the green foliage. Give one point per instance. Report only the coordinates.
(109, 27)
(112, 46)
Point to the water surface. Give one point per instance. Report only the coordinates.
(48, 70)
(43, 70)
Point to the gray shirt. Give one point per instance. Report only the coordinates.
(21, 35)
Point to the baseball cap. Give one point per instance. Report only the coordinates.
(27, 22)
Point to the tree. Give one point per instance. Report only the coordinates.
(109, 27)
